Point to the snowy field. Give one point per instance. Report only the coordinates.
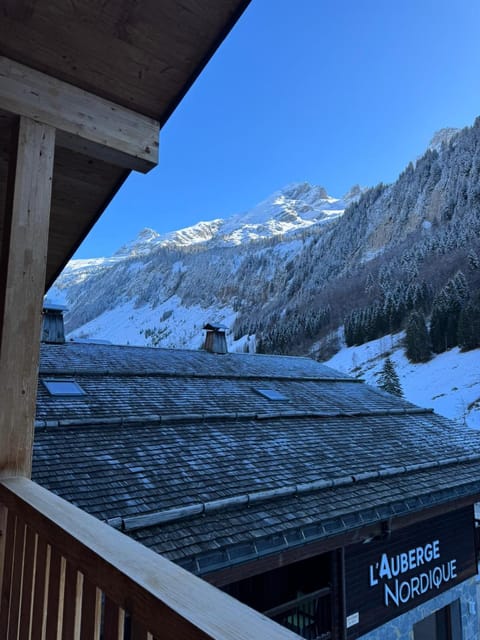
(449, 383)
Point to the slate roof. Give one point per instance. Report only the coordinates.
(178, 449)
(101, 359)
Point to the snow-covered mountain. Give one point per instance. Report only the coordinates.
(286, 275)
(297, 206)
(164, 317)
(278, 219)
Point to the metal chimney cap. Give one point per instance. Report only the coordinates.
(215, 338)
(53, 331)
(53, 306)
(215, 327)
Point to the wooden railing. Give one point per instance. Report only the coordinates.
(66, 576)
(309, 615)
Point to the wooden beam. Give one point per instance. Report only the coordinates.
(85, 122)
(22, 282)
(3, 546)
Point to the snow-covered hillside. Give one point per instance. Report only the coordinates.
(449, 383)
(170, 325)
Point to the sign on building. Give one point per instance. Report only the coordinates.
(385, 578)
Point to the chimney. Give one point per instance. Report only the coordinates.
(215, 340)
(52, 329)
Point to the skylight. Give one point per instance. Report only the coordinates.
(63, 388)
(271, 394)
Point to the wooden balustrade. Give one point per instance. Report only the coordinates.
(64, 575)
(309, 615)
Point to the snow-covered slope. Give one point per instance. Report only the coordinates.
(170, 325)
(449, 383)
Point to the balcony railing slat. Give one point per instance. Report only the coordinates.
(164, 601)
(27, 588)
(114, 621)
(39, 604)
(7, 570)
(71, 609)
(3, 529)
(14, 616)
(54, 594)
(91, 603)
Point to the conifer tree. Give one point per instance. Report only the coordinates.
(459, 287)
(418, 344)
(446, 309)
(469, 326)
(388, 379)
(473, 260)
(369, 284)
(438, 323)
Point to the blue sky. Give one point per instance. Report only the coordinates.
(330, 92)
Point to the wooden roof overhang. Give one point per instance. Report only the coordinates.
(137, 59)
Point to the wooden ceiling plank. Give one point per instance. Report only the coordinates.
(129, 77)
(184, 24)
(109, 131)
(77, 166)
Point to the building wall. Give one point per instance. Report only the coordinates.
(401, 628)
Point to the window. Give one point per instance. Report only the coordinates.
(444, 624)
(271, 394)
(63, 388)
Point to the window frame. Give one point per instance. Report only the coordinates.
(77, 390)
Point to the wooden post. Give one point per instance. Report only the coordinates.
(339, 631)
(3, 538)
(22, 284)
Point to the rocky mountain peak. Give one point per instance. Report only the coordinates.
(301, 190)
(140, 245)
(353, 193)
(442, 136)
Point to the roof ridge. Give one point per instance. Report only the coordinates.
(202, 417)
(154, 373)
(133, 523)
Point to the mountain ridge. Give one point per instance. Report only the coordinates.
(296, 206)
